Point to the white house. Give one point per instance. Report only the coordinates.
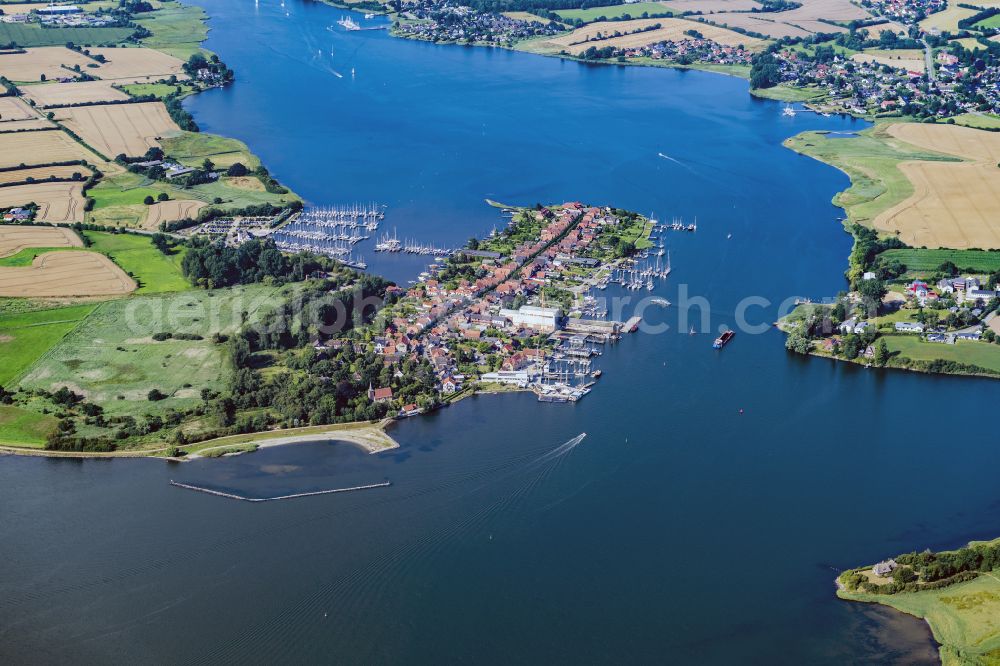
(909, 327)
(848, 326)
(511, 377)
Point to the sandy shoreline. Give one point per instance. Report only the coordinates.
(369, 436)
(372, 438)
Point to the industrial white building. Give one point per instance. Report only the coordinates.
(545, 320)
(514, 378)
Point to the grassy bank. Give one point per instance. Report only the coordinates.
(177, 29)
(783, 93)
(963, 615)
(871, 159)
(24, 428)
(911, 347)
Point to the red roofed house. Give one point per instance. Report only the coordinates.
(380, 394)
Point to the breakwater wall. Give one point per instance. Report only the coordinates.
(219, 493)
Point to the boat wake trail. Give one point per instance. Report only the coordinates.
(668, 157)
(560, 450)
(678, 163)
(361, 587)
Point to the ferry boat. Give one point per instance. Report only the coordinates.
(723, 340)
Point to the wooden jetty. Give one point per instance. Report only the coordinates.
(219, 493)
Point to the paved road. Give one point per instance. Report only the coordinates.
(929, 61)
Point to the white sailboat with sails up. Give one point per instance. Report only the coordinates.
(347, 23)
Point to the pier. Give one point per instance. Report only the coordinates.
(331, 230)
(219, 493)
(392, 244)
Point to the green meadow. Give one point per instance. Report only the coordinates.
(26, 336)
(983, 354)
(113, 360)
(21, 427)
(177, 29)
(979, 120)
(160, 90)
(989, 24)
(978, 261)
(635, 10)
(31, 35)
(193, 147)
(26, 256)
(136, 255)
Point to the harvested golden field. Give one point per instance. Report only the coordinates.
(251, 183)
(711, 6)
(763, 26)
(954, 205)
(137, 65)
(910, 60)
(169, 211)
(14, 238)
(876, 28)
(76, 92)
(66, 274)
(672, 29)
(21, 125)
(947, 19)
(11, 108)
(799, 22)
(970, 43)
(832, 10)
(120, 128)
(958, 141)
(47, 60)
(57, 202)
(40, 148)
(42, 173)
(524, 16)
